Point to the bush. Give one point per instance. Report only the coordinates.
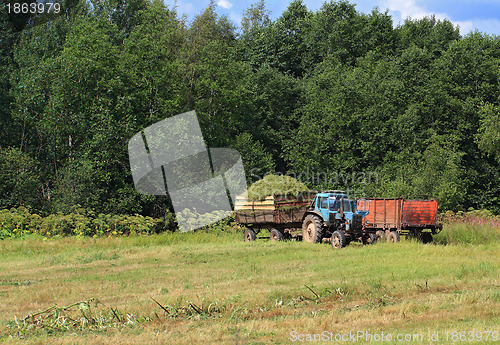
(472, 227)
(16, 222)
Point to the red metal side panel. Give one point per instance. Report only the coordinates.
(419, 212)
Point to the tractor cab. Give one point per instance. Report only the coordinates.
(336, 208)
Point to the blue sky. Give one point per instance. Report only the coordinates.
(483, 15)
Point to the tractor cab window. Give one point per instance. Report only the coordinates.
(323, 203)
(347, 205)
(335, 204)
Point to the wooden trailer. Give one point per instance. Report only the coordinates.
(281, 214)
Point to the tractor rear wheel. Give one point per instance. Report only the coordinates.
(311, 229)
(338, 239)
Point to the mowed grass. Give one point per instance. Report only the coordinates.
(250, 293)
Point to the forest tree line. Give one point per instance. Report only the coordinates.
(334, 92)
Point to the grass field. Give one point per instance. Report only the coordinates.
(216, 289)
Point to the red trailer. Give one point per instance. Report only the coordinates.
(392, 217)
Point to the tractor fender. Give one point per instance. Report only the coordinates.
(316, 213)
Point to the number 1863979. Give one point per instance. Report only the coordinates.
(35, 7)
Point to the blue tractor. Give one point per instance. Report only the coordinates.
(333, 215)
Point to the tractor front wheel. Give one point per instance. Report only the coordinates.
(338, 239)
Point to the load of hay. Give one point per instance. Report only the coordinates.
(275, 184)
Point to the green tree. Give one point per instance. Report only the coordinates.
(19, 180)
(335, 91)
(275, 97)
(256, 160)
(282, 44)
(338, 30)
(441, 173)
(151, 69)
(488, 137)
(217, 86)
(427, 33)
(255, 19)
(6, 69)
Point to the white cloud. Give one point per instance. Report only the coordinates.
(465, 26)
(235, 17)
(489, 26)
(402, 9)
(224, 4)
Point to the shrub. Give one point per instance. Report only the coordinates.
(16, 222)
(472, 227)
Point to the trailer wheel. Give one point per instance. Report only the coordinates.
(338, 239)
(370, 239)
(249, 235)
(426, 237)
(413, 235)
(311, 229)
(276, 235)
(393, 237)
(381, 236)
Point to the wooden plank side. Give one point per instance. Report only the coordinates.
(278, 216)
(255, 217)
(249, 202)
(254, 207)
(274, 201)
(243, 203)
(291, 215)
